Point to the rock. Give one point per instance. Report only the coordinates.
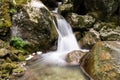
(8, 66)
(65, 8)
(108, 6)
(34, 25)
(89, 39)
(108, 31)
(4, 52)
(74, 57)
(103, 62)
(80, 22)
(2, 43)
(5, 20)
(18, 72)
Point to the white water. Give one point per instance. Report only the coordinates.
(66, 43)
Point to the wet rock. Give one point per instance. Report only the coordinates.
(64, 9)
(108, 6)
(80, 22)
(74, 57)
(103, 62)
(34, 25)
(4, 52)
(108, 31)
(89, 39)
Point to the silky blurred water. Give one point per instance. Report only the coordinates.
(39, 71)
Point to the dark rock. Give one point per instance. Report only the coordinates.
(105, 7)
(103, 62)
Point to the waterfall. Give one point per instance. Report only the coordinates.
(66, 39)
(66, 43)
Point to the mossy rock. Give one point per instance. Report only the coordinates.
(102, 62)
(5, 19)
(18, 72)
(108, 31)
(8, 66)
(80, 21)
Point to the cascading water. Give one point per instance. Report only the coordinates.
(66, 39)
(66, 43)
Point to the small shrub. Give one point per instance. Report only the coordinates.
(18, 43)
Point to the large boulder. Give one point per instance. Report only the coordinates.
(80, 21)
(33, 23)
(108, 31)
(103, 62)
(105, 7)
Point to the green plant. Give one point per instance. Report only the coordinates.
(18, 43)
(12, 10)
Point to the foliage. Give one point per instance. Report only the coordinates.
(18, 43)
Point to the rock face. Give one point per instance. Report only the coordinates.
(103, 62)
(34, 24)
(80, 22)
(108, 6)
(108, 31)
